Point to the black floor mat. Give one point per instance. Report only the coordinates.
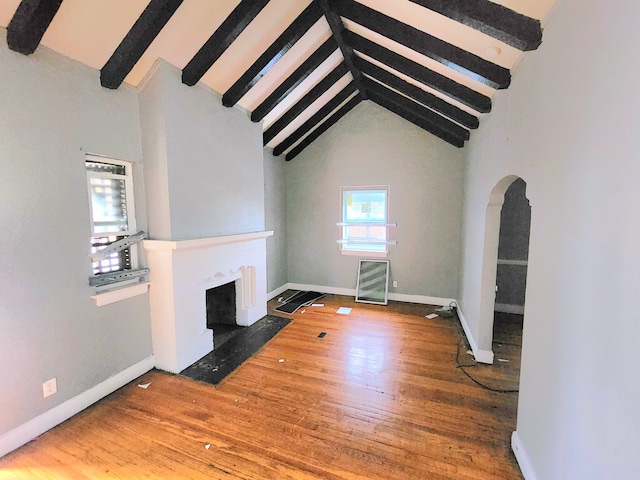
(298, 300)
(215, 366)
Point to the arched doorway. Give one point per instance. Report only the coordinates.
(508, 268)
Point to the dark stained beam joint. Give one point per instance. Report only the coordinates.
(435, 103)
(416, 120)
(445, 53)
(497, 21)
(435, 80)
(296, 78)
(136, 42)
(328, 123)
(302, 104)
(307, 126)
(418, 110)
(272, 55)
(29, 24)
(337, 30)
(223, 37)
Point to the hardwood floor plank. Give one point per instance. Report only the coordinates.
(379, 396)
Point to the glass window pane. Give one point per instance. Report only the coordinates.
(106, 168)
(109, 205)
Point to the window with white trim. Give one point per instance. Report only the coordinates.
(364, 225)
(110, 184)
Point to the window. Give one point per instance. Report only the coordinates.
(364, 226)
(112, 212)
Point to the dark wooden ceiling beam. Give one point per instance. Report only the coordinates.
(296, 78)
(337, 29)
(303, 129)
(272, 55)
(29, 23)
(328, 123)
(419, 95)
(302, 104)
(497, 21)
(405, 103)
(415, 119)
(136, 42)
(442, 84)
(445, 53)
(225, 34)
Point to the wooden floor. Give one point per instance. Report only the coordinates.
(379, 397)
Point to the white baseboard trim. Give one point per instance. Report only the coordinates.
(508, 308)
(277, 291)
(351, 292)
(526, 467)
(481, 356)
(37, 426)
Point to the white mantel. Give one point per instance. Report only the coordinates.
(182, 271)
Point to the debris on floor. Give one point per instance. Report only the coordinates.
(322, 334)
(317, 304)
(431, 316)
(207, 446)
(144, 385)
(344, 311)
(281, 360)
(503, 360)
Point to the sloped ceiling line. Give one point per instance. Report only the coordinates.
(301, 105)
(296, 78)
(270, 57)
(394, 80)
(136, 42)
(221, 39)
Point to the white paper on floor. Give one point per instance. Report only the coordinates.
(144, 385)
(432, 315)
(344, 311)
(317, 304)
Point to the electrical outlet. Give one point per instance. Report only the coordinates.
(395, 284)
(49, 388)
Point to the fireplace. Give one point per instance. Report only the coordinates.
(181, 273)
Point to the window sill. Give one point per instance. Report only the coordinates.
(364, 253)
(113, 296)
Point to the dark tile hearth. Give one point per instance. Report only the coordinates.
(246, 342)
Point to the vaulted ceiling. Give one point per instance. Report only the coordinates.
(300, 65)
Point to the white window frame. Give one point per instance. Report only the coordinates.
(356, 248)
(129, 191)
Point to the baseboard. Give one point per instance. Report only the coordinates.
(508, 308)
(526, 467)
(49, 419)
(277, 291)
(481, 356)
(351, 292)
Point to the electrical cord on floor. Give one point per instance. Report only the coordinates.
(475, 364)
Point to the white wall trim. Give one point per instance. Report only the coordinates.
(277, 291)
(508, 308)
(351, 292)
(481, 356)
(526, 467)
(113, 296)
(26, 432)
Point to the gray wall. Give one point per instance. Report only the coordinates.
(275, 205)
(204, 161)
(568, 126)
(371, 146)
(53, 111)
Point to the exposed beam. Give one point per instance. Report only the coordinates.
(497, 21)
(303, 129)
(337, 29)
(29, 23)
(454, 57)
(405, 103)
(461, 93)
(270, 57)
(416, 120)
(302, 104)
(426, 98)
(328, 123)
(136, 42)
(296, 78)
(227, 32)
